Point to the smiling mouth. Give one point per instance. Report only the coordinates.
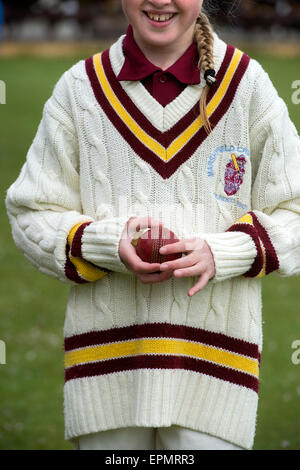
(160, 18)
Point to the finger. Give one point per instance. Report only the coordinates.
(180, 246)
(184, 262)
(147, 268)
(200, 284)
(154, 278)
(136, 225)
(196, 270)
(137, 264)
(141, 223)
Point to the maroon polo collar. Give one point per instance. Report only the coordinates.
(138, 67)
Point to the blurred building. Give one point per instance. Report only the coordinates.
(64, 19)
(92, 19)
(267, 13)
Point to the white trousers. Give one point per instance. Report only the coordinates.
(140, 438)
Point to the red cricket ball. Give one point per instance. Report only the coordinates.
(149, 244)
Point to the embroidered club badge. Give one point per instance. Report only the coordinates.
(234, 174)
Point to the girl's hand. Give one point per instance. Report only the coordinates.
(199, 261)
(146, 272)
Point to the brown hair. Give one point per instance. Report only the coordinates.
(204, 39)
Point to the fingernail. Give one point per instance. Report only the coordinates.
(162, 250)
(164, 266)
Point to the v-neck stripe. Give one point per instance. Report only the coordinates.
(164, 151)
(165, 138)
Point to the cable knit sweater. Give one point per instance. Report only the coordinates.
(148, 354)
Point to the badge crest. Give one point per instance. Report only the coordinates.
(234, 174)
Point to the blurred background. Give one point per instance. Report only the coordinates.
(43, 20)
(40, 39)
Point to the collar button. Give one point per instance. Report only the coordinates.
(163, 78)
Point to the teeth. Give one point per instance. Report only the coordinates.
(160, 17)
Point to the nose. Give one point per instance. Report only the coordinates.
(160, 3)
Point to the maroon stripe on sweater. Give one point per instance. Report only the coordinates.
(70, 270)
(137, 146)
(272, 262)
(76, 247)
(164, 138)
(162, 362)
(76, 243)
(126, 101)
(166, 169)
(185, 122)
(162, 330)
(231, 92)
(259, 259)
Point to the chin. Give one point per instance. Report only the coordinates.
(159, 39)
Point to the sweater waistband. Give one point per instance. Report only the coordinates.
(162, 346)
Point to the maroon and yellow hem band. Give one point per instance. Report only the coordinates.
(162, 346)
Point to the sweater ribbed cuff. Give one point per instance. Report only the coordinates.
(100, 244)
(233, 252)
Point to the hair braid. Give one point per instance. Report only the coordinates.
(204, 39)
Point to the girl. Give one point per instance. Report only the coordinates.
(169, 127)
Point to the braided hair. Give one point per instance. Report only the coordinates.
(203, 36)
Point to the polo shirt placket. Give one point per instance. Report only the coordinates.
(163, 85)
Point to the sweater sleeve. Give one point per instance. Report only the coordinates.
(267, 238)
(44, 203)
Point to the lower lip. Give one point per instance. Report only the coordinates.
(159, 24)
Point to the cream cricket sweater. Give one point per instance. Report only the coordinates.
(147, 354)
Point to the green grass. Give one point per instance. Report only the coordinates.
(33, 305)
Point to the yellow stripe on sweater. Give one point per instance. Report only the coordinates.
(84, 268)
(181, 141)
(263, 269)
(178, 143)
(72, 233)
(248, 219)
(162, 346)
(214, 103)
(124, 115)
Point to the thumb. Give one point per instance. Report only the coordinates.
(138, 224)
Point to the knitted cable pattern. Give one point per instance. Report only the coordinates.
(146, 354)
